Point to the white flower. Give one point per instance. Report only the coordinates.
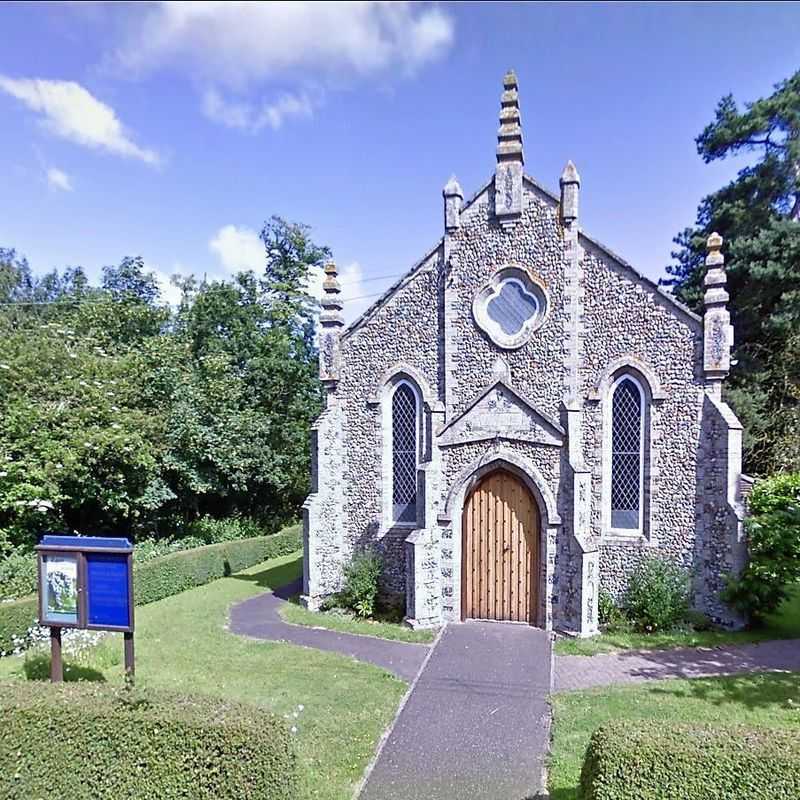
(3, 474)
(4, 366)
(294, 728)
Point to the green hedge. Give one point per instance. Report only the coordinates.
(653, 761)
(16, 616)
(88, 742)
(163, 577)
(168, 575)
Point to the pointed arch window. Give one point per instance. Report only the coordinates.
(627, 454)
(405, 453)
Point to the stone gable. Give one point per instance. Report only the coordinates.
(500, 413)
(512, 333)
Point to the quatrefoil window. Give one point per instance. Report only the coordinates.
(510, 307)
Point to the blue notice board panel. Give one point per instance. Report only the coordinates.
(108, 589)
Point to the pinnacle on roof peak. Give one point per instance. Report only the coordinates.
(452, 188)
(570, 174)
(509, 136)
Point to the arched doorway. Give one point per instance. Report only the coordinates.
(500, 550)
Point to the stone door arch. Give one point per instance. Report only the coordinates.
(501, 531)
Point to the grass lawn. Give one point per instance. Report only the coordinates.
(181, 644)
(758, 700)
(297, 615)
(784, 624)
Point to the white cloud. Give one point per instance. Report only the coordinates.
(247, 116)
(351, 278)
(287, 105)
(73, 113)
(170, 293)
(57, 179)
(238, 248)
(236, 43)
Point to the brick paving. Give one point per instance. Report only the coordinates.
(605, 669)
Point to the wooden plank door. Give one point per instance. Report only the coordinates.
(499, 554)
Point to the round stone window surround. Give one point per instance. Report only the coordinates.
(530, 290)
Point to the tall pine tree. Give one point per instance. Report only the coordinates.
(758, 214)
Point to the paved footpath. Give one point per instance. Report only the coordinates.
(476, 725)
(583, 672)
(258, 617)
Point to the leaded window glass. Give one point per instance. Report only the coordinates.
(626, 455)
(404, 454)
(512, 307)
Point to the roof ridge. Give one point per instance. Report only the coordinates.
(555, 198)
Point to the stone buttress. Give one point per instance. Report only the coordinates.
(536, 402)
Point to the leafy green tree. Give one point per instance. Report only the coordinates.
(120, 414)
(758, 214)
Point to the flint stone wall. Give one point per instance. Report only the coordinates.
(429, 316)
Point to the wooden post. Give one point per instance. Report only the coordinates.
(129, 668)
(56, 664)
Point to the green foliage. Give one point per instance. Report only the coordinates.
(18, 570)
(139, 745)
(179, 571)
(167, 575)
(121, 415)
(17, 575)
(361, 577)
(16, 616)
(653, 761)
(657, 597)
(773, 533)
(758, 214)
(212, 531)
(608, 612)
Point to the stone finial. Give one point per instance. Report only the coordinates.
(453, 200)
(331, 323)
(718, 332)
(570, 190)
(509, 135)
(510, 159)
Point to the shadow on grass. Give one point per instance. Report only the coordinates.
(37, 668)
(752, 691)
(275, 577)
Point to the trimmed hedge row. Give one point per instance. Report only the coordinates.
(163, 577)
(16, 616)
(168, 575)
(88, 742)
(653, 761)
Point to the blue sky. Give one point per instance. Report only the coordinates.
(173, 131)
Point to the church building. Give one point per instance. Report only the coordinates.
(524, 417)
